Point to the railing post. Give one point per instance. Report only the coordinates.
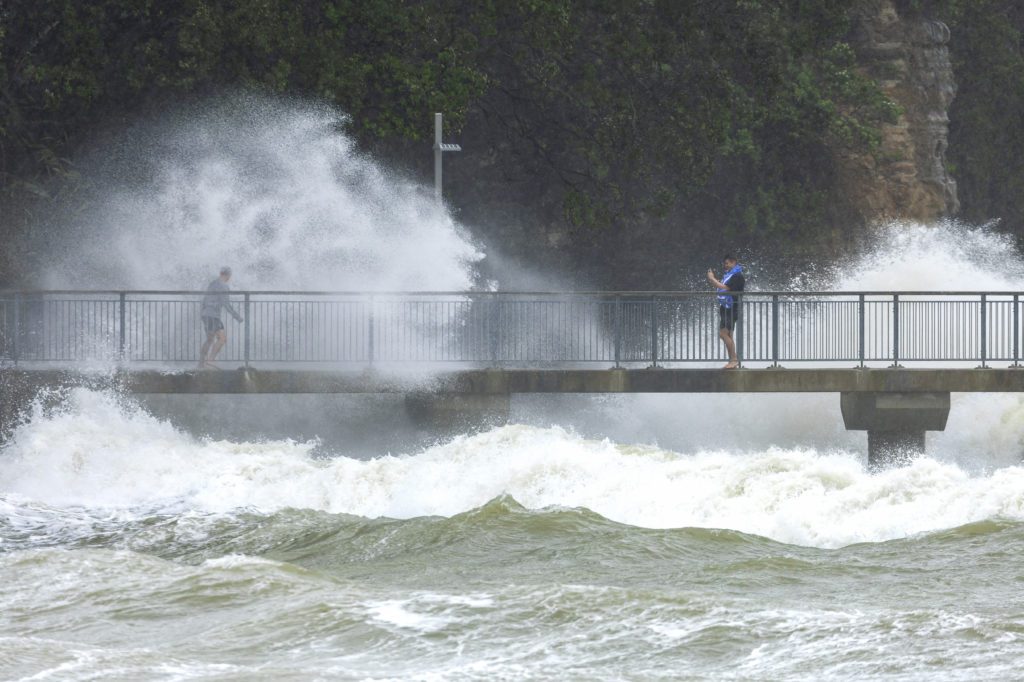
(121, 317)
(775, 330)
(654, 332)
(984, 329)
(738, 340)
(618, 330)
(369, 332)
(245, 328)
(494, 335)
(15, 345)
(895, 330)
(1016, 330)
(861, 332)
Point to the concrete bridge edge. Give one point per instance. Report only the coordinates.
(895, 407)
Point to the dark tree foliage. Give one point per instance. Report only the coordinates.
(67, 65)
(677, 119)
(683, 123)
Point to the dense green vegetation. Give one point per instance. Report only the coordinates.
(693, 122)
(70, 66)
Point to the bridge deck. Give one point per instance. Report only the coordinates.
(507, 381)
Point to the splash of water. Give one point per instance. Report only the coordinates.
(275, 189)
(102, 454)
(945, 256)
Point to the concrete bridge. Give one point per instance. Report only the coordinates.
(459, 357)
(896, 407)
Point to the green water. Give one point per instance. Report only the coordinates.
(131, 550)
(501, 592)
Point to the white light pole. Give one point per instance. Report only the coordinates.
(439, 149)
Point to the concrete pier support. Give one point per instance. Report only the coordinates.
(896, 422)
(457, 413)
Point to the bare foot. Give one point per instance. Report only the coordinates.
(732, 365)
(210, 365)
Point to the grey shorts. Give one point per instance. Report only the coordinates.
(212, 325)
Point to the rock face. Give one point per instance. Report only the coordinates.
(907, 177)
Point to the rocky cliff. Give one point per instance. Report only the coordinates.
(907, 176)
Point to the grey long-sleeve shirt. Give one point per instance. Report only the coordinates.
(216, 297)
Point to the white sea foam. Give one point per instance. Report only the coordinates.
(399, 613)
(103, 455)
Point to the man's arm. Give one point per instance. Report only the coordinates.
(226, 302)
(715, 282)
(231, 309)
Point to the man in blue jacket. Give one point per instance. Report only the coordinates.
(729, 306)
(216, 297)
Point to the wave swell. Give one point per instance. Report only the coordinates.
(103, 454)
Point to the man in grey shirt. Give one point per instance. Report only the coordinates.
(216, 297)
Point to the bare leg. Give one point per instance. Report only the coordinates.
(221, 338)
(730, 346)
(205, 350)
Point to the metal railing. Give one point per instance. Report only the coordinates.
(515, 329)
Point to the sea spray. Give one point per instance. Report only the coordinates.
(103, 455)
(948, 255)
(275, 188)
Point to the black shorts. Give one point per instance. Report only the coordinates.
(212, 325)
(728, 317)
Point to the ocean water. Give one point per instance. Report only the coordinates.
(130, 549)
(606, 538)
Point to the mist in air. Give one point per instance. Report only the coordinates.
(274, 188)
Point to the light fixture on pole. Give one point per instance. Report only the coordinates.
(439, 149)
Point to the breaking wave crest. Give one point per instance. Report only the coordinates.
(105, 455)
(275, 188)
